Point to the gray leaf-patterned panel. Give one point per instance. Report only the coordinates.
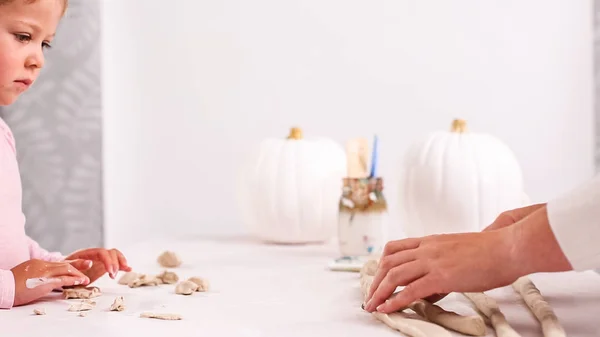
(58, 129)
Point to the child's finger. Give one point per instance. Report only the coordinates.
(65, 269)
(68, 281)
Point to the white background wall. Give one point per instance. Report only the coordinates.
(190, 86)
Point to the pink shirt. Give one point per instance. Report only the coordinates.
(15, 246)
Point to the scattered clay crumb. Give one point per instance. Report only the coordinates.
(39, 312)
(82, 314)
(169, 317)
(169, 259)
(118, 304)
(128, 277)
(82, 306)
(186, 288)
(202, 284)
(81, 292)
(168, 277)
(145, 280)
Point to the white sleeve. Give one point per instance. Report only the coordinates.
(575, 220)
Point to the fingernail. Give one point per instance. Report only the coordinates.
(382, 306)
(76, 283)
(368, 305)
(90, 264)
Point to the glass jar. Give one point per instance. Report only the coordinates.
(362, 217)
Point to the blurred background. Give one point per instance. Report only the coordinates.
(148, 108)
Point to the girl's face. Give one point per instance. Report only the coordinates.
(26, 29)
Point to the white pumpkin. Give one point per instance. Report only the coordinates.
(290, 189)
(457, 181)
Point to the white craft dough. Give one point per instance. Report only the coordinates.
(408, 326)
(169, 317)
(39, 312)
(168, 277)
(488, 307)
(169, 259)
(128, 278)
(118, 304)
(144, 281)
(83, 306)
(541, 309)
(468, 325)
(186, 288)
(369, 268)
(81, 292)
(202, 284)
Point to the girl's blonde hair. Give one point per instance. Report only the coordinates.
(65, 3)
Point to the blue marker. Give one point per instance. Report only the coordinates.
(374, 159)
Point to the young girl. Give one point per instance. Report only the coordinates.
(28, 272)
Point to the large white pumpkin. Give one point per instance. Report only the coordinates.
(290, 189)
(457, 181)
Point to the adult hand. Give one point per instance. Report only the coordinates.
(36, 278)
(109, 261)
(466, 262)
(505, 219)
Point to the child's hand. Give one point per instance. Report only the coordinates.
(104, 260)
(36, 278)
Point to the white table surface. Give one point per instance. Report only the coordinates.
(273, 291)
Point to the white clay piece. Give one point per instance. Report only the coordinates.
(186, 288)
(369, 268)
(128, 278)
(118, 304)
(84, 305)
(168, 277)
(39, 311)
(144, 280)
(408, 326)
(202, 283)
(169, 259)
(541, 309)
(490, 309)
(81, 292)
(468, 325)
(168, 317)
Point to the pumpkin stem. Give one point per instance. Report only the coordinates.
(295, 133)
(459, 125)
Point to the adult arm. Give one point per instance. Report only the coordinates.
(465, 262)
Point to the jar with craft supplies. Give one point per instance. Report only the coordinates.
(362, 219)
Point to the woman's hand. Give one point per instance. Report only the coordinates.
(467, 262)
(109, 261)
(503, 220)
(36, 278)
(440, 264)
